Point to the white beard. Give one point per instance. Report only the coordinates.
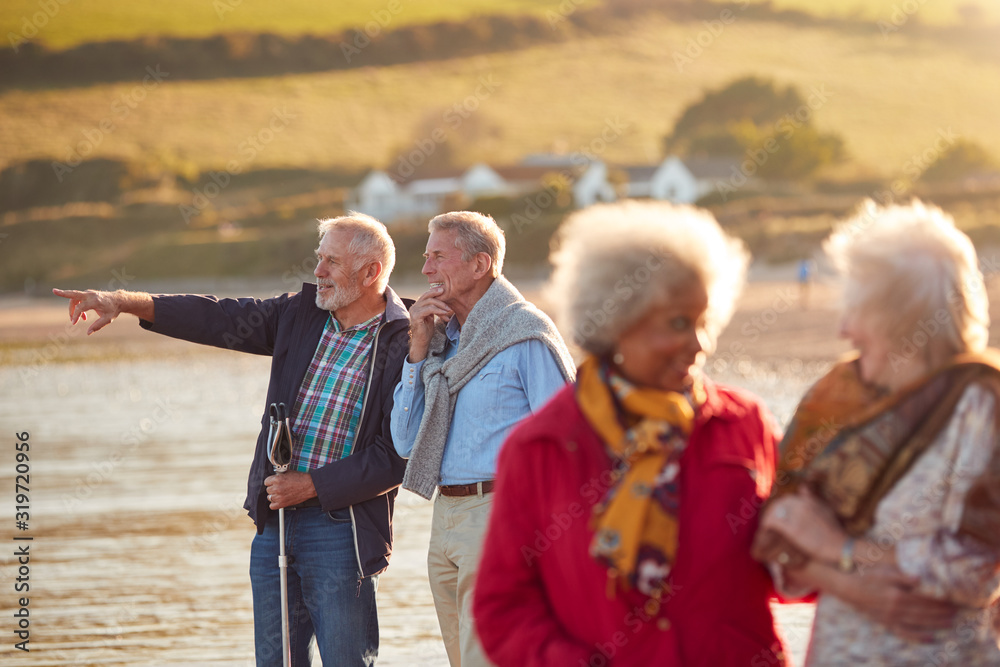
(337, 297)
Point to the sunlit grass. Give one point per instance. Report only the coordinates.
(70, 22)
(890, 99)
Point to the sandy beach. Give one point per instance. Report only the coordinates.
(138, 453)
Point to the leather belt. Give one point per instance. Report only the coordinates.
(474, 489)
(311, 502)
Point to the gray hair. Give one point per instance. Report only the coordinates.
(915, 275)
(476, 233)
(371, 242)
(615, 261)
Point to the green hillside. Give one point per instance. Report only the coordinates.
(61, 23)
(890, 99)
(77, 21)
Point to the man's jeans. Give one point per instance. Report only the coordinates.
(324, 594)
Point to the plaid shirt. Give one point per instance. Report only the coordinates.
(328, 406)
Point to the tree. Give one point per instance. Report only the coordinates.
(963, 158)
(755, 119)
(750, 98)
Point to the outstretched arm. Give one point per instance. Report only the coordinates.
(107, 306)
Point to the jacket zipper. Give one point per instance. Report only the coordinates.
(361, 421)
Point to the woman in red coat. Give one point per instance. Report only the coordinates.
(625, 509)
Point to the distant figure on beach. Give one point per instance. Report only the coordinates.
(481, 358)
(625, 508)
(337, 348)
(807, 271)
(888, 495)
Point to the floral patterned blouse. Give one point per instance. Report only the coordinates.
(920, 516)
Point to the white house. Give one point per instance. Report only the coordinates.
(589, 178)
(481, 180)
(679, 181)
(523, 179)
(428, 193)
(592, 186)
(709, 172)
(423, 195)
(377, 195)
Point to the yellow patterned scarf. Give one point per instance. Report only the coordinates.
(645, 430)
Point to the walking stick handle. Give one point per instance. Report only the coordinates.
(280, 444)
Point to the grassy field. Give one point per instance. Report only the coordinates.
(77, 21)
(71, 22)
(890, 99)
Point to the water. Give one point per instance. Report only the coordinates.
(139, 448)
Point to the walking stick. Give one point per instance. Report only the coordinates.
(280, 454)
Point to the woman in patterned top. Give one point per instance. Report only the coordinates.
(887, 500)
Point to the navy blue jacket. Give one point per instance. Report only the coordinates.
(288, 329)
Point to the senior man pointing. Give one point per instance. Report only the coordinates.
(481, 359)
(337, 347)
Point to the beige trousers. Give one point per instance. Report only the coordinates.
(457, 532)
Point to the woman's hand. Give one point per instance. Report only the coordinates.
(808, 524)
(889, 597)
(884, 594)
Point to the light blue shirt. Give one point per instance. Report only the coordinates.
(512, 385)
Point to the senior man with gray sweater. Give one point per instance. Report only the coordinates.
(481, 359)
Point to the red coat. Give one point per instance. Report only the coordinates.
(542, 601)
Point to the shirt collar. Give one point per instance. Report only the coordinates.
(452, 329)
(367, 324)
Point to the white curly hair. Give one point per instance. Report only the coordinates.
(909, 269)
(613, 262)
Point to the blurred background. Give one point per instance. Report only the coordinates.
(203, 138)
(191, 146)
